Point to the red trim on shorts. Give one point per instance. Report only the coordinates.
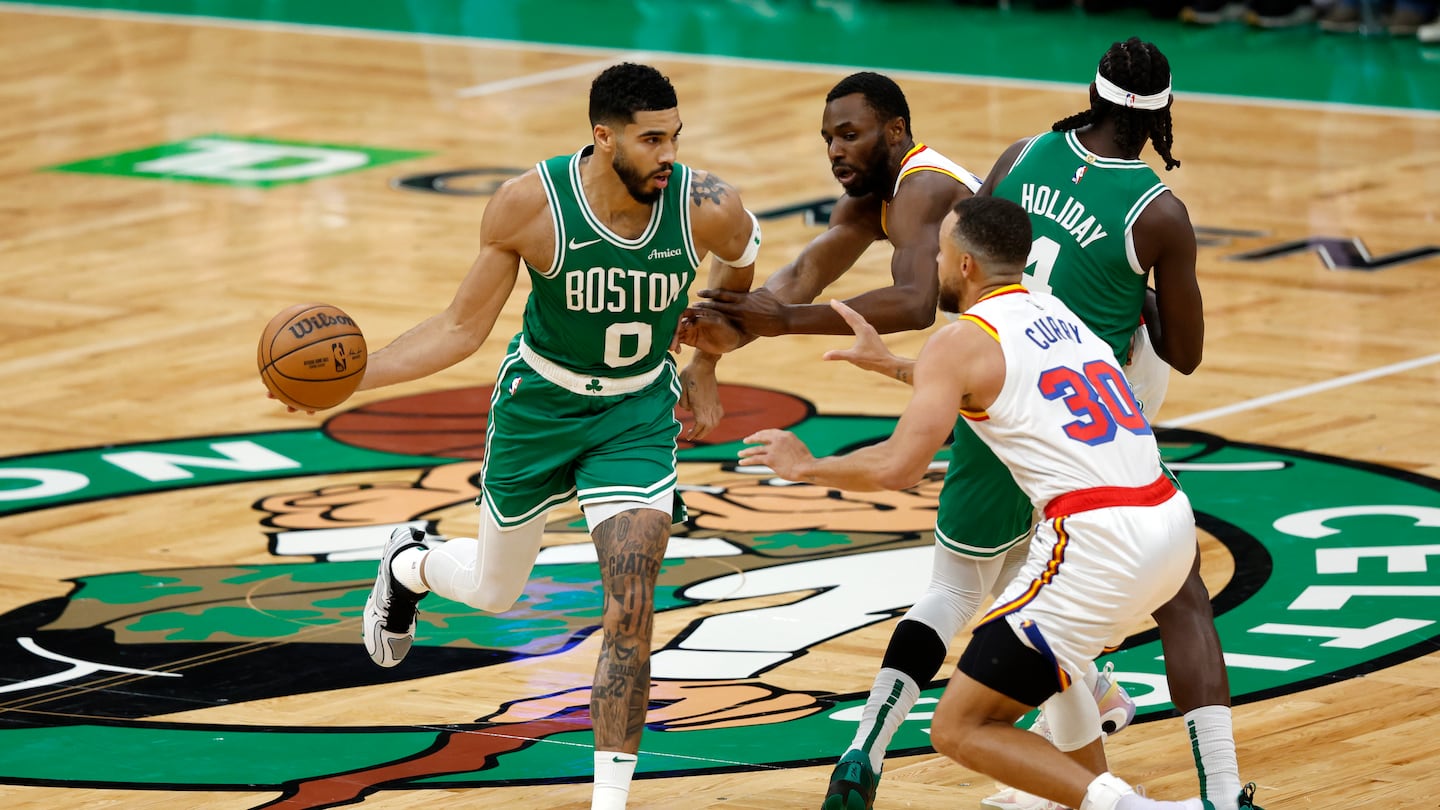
(1084, 500)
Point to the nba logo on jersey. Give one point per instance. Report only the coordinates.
(1079, 175)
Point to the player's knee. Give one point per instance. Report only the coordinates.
(454, 572)
(495, 600)
(629, 604)
(951, 735)
(944, 737)
(1193, 599)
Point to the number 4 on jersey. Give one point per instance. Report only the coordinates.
(1044, 251)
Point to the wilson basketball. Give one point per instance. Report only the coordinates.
(311, 356)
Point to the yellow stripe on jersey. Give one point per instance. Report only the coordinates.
(1057, 556)
(980, 322)
(975, 416)
(944, 171)
(1008, 289)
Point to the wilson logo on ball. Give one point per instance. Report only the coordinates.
(311, 356)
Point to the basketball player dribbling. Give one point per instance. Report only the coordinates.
(612, 237)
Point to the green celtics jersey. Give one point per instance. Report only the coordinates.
(1082, 207)
(608, 305)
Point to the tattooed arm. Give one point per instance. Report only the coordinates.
(720, 226)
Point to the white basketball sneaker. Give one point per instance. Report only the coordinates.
(1117, 709)
(388, 625)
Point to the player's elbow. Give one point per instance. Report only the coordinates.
(918, 313)
(1187, 361)
(923, 319)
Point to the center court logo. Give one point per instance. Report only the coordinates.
(762, 575)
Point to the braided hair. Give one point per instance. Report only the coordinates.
(1140, 68)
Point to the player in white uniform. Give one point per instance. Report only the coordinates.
(898, 190)
(1117, 539)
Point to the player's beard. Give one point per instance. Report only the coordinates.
(873, 179)
(949, 298)
(634, 181)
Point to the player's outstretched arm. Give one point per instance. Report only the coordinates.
(1165, 241)
(869, 351)
(766, 312)
(942, 383)
(913, 228)
(444, 339)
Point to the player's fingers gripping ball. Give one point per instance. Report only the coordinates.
(311, 356)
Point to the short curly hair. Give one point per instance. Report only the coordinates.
(622, 90)
(881, 94)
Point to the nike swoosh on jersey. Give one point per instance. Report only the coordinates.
(577, 245)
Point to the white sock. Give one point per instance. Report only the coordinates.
(1105, 792)
(406, 569)
(892, 697)
(613, 772)
(1212, 741)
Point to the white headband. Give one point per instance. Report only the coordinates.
(1115, 94)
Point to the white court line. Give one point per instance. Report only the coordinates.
(1302, 391)
(545, 76)
(497, 731)
(738, 61)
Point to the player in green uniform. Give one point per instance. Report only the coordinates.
(1103, 224)
(612, 237)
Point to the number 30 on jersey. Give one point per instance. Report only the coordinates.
(1099, 397)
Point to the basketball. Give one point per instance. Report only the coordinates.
(311, 356)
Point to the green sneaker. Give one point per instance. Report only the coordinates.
(1247, 797)
(852, 783)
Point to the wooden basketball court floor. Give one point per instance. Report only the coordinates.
(167, 644)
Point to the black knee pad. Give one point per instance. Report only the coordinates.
(998, 659)
(916, 650)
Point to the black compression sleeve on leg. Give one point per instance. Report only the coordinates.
(916, 650)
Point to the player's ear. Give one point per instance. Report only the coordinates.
(605, 136)
(895, 130)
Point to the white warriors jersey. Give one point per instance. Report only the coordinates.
(1065, 419)
(922, 158)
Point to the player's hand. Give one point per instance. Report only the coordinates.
(758, 312)
(780, 450)
(287, 407)
(706, 330)
(869, 351)
(700, 394)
